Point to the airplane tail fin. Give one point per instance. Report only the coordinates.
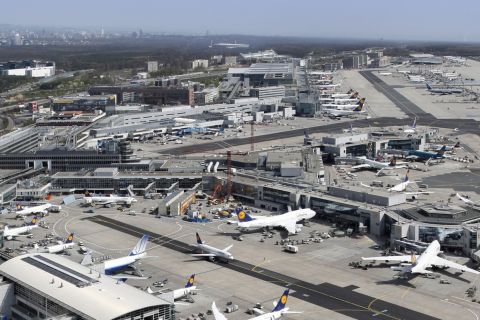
(414, 125)
(190, 281)
(34, 221)
(243, 216)
(282, 302)
(442, 150)
(87, 259)
(429, 87)
(393, 162)
(361, 101)
(457, 145)
(406, 176)
(130, 192)
(69, 238)
(140, 247)
(199, 240)
(358, 108)
(5, 228)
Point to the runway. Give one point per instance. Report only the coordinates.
(345, 300)
(407, 106)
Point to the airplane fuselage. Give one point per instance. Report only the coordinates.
(12, 233)
(423, 261)
(181, 293)
(220, 254)
(117, 265)
(276, 221)
(60, 247)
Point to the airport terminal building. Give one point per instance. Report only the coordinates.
(47, 286)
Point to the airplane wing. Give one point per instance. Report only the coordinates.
(289, 225)
(216, 313)
(441, 262)
(390, 258)
(228, 248)
(362, 166)
(127, 276)
(203, 255)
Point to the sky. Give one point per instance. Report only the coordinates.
(363, 19)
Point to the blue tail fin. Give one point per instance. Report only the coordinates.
(442, 150)
(190, 281)
(414, 125)
(69, 238)
(282, 302)
(243, 216)
(406, 176)
(140, 247)
(199, 241)
(428, 86)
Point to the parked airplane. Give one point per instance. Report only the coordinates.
(109, 200)
(402, 186)
(341, 113)
(35, 209)
(413, 128)
(187, 290)
(444, 90)
(278, 311)
(60, 247)
(287, 220)
(114, 267)
(10, 234)
(467, 201)
(438, 147)
(336, 106)
(372, 164)
(212, 253)
(424, 155)
(411, 264)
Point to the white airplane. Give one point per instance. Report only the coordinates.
(336, 106)
(420, 263)
(212, 253)
(109, 200)
(35, 209)
(187, 290)
(114, 267)
(402, 186)
(229, 45)
(278, 311)
(466, 200)
(385, 73)
(372, 164)
(287, 220)
(438, 147)
(10, 234)
(342, 113)
(443, 91)
(57, 248)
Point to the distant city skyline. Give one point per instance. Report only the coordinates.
(440, 20)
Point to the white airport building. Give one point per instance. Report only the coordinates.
(47, 286)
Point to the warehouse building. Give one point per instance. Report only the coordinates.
(47, 286)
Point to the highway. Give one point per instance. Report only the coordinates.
(342, 300)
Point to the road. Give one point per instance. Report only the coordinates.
(342, 300)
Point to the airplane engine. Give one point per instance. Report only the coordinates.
(212, 259)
